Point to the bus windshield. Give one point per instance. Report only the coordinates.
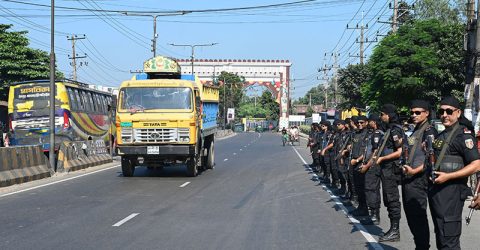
(143, 98)
(32, 97)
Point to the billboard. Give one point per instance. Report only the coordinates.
(230, 114)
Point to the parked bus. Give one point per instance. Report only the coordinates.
(81, 113)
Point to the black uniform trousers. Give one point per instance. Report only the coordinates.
(372, 187)
(359, 183)
(316, 158)
(414, 197)
(351, 178)
(391, 196)
(326, 164)
(332, 165)
(446, 206)
(342, 172)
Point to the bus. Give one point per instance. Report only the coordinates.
(81, 113)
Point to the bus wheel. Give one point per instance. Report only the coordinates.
(127, 167)
(192, 166)
(210, 163)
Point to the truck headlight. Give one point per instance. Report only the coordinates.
(127, 134)
(184, 135)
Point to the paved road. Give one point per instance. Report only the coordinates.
(260, 196)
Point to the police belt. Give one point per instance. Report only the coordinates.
(451, 163)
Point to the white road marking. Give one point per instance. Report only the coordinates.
(234, 153)
(225, 159)
(370, 239)
(56, 182)
(244, 146)
(125, 220)
(240, 149)
(185, 184)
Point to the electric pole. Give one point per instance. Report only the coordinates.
(154, 16)
(361, 41)
(75, 56)
(192, 46)
(395, 16)
(324, 69)
(472, 47)
(51, 150)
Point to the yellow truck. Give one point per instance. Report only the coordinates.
(164, 119)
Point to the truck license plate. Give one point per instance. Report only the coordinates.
(153, 150)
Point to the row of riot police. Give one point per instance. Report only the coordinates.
(359, 155)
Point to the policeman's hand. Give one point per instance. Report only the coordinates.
(323, 152)
(364, 168)
(319, 151)
(441, 177)
(353, 162)
(475, 203)
(379, 160)
(407, 170)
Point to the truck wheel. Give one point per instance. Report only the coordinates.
(192, 167)
(127, 167)
(210, 163)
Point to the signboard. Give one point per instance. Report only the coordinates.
(161, 64)
(283, 123)
(316, 118)
(230, 114)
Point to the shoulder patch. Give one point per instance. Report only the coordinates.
(376, 139)
(467, 131)
(469, 143)
(395, 137)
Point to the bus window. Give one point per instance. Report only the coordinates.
(72, 99)
(81, 104)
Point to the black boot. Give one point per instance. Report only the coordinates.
(360, 211)
(354, 200)
(393, 234)
(373, 219)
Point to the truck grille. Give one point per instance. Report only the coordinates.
(156, 135)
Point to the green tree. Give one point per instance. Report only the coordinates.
(349, 81)
(18, 62)
(424, 59)
(443, 10)
(272, 108)
(231, 90)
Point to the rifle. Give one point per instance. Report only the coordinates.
(477, 190)
(431, 156)
(344, 145)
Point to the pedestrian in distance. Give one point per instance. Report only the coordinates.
(455, 158)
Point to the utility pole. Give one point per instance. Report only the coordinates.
(192, 46)
(395, 16)
(361, 41)
(75, 56)
(154, 16)
(472, 46)
(324, 69)
(51, 151)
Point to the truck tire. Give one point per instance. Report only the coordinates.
(210, 162)
(127, 167)
(192, 166)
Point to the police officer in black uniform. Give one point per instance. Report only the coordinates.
(340, 143)
(391, 170)
(415, 179)
(372, 174)
(325, 150)
(351, 196)
(358, 148)
(456, 158)
(314, 147)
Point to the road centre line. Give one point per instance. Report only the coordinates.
(225, 159)
(56, 182)
(185, 184)
(370, 239)
(125, 220)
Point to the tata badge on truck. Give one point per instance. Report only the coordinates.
(166, 119)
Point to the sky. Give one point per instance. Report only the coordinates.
(117, 43)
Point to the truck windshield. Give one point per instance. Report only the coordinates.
(142, 98)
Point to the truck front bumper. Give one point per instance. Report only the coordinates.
(163, 150)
